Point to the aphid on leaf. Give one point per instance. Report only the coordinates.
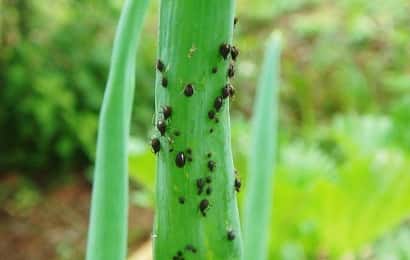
(160, 65)
(224, 50)
(231, 71)
(230, 235)
(225, 91)
(231, 91)
(164, 82)
(203, 206)
(181, 200)
(156, 145)
(237, 184)
(211, 165)
(189, 90)
(162, 127)
(180, 159)
(167, 112)
(235, 21)
(218, 103)
(191, 248)
(211, 114)
(234, 53)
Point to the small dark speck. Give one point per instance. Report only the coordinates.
(214, 70)
(211, 114)
(189, 90)
(231, 71)
(164, 82)
(181, 200)
(230, 235)
(211, 130)
(208, 191)
(209, 155)
(211, 165)
(177, 133)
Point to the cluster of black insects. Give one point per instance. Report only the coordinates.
(203, 185)
(180, 255)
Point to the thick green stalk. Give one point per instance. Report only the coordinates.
(107, 238)
(259, 189)
(191, 33)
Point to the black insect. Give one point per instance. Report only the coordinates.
(162, 127)
(189, 90)
(214, 70)
(208, 179)
(164, 82)
(231, 71)
(180, 159)
(208, 191)
(181, 200)
(224, 50)
(211, 114)
(156, 145)
(203, 206)
(231, 91)
(191, 248)
(237, 184)
(234, 53)
(235, 20)
(200, 185)
(230, 235)
(167, 112)
(218, 103)
(211, 165)
(160, 66)
(226, 91)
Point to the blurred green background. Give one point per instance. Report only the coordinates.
(342, 183)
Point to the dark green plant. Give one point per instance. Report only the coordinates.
(196, 208)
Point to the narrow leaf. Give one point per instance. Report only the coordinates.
(107, 238)
(259, 186)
